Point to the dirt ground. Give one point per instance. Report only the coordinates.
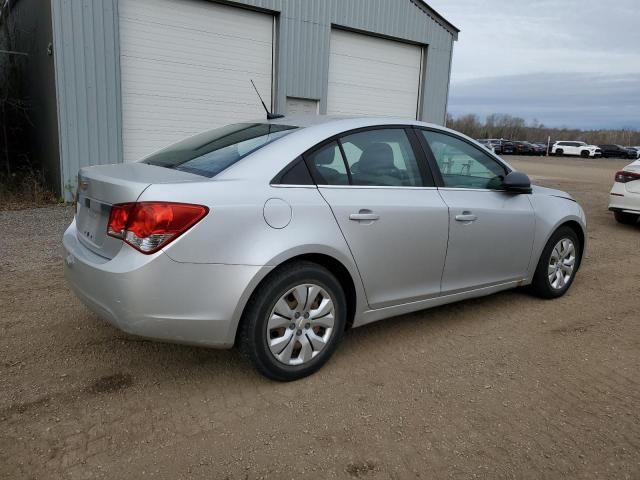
(507, 386)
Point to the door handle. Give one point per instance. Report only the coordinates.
(466, 217)
(364, 215)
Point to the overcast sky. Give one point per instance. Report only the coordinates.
(573, 63)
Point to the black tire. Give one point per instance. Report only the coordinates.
(584, 154)
(559, 152)
(626, 218)
(541, 286)
(253, 339)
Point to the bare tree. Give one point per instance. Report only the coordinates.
(514, 128)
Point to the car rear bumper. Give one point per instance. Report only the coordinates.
(622, 200)
(156, 297)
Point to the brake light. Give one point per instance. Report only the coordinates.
(149, 226)
(624, 177)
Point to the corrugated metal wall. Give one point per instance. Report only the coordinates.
(88, 71)
(88, 85)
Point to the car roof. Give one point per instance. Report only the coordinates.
(312, 120)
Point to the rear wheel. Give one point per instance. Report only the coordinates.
(294, 321)
(626, 218)
(557, 265)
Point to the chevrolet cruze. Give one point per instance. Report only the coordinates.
(278, 235)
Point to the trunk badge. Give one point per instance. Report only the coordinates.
(84, 184)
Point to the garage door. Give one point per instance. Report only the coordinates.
(373, 76)
(186, 67)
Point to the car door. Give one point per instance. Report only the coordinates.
(606, 150)
(490, 231)
(575, 148)
(388, 209)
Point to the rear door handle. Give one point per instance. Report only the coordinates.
(466, 217)
(365, 216)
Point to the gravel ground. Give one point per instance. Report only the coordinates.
(506, 386)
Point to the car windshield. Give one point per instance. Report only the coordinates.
(211, 152)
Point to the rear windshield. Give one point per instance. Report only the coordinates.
(211, 152)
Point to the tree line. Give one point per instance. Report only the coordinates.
(515, 128)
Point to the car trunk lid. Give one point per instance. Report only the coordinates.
(100, 187)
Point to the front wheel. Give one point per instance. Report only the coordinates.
(559, 152)
(294, 321)
(584, 154)
(558, 264)
(626, 218)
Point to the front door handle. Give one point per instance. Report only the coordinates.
(364, 216)
(466, 217)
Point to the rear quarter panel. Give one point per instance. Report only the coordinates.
(235, 231)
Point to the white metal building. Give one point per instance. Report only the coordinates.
(133, 76)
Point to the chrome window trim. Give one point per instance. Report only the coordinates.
(284, 185)
(375, 187)
(462, 189)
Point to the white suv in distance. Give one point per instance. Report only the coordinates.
(575, 148)
(624, 199)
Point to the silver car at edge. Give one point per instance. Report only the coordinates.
(279, 235)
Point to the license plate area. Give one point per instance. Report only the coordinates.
(91, 221)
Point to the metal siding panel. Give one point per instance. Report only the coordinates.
(114, 83)
(81, 79)
(100, 94)
(88, 52)
(87, 86)
(437, 88)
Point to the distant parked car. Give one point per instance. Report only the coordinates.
(563, 147)
(495, 143)
(523, 148)
(508, 148)
(617, 151)
(636, 149)
(624, 199)
(487, 144)
(539, 148)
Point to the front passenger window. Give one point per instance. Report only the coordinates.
(463, 165)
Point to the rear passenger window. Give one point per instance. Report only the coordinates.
(328, 164)
(298, 174)
(381, 157)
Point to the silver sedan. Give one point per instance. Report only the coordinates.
(278, 235)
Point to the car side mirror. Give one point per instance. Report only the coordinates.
(517, 182)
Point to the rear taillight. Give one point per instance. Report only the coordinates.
(149, 226)
(624, 177)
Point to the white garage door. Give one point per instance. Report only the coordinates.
(373, 76)
(186, 67)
